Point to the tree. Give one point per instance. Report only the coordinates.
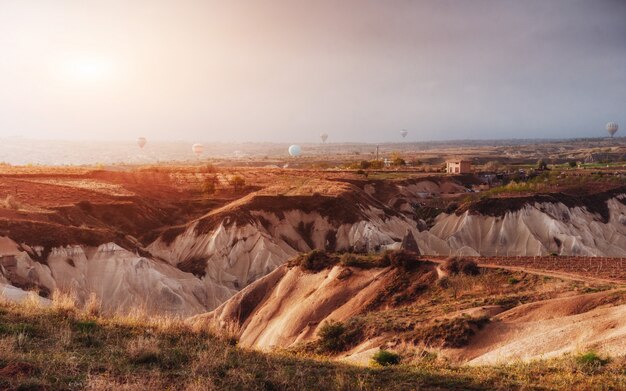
(364, 164)
(377, 164)
(210, 185)
(238, 183)
(572, 164)
(542, 165)
(398, 162)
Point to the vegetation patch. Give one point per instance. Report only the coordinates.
(450, 333)
(361, 261)
(162, 353)
(337, 337)
(385, 358)
(460, 265)
(402, 259)
(591, 361)
(315, 261)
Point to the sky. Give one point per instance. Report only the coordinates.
(288, 70)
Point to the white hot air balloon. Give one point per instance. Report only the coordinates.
(612, 127)
(295, 150)
(141, 141)
(197, 149)
(404, 132)
(324, 137)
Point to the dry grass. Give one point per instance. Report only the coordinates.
(64, 346)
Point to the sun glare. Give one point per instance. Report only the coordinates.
(89, 69)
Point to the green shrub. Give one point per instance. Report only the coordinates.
(591, 360)
(331, 336)
(315, 261)
(385, 358)
(513, 280)
(85, 326)
(337, 337)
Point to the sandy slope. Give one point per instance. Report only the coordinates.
(287, 307)
(549, 329)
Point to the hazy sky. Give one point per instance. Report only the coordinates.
(288, 70)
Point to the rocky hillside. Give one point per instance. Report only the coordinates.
(541, 225)
(163, 249)
(398, 302)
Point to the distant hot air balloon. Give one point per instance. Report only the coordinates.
(197, 149)
(404, 132)
(141, 141)
(612, 127)
(324, 137)
(295, 150)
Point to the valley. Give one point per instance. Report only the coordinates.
(327, 263)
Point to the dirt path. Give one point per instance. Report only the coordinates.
(547, 273)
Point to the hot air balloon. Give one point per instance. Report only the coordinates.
(295, 150)
(324, 137)
(141, 141)
(404, 132)
(197, 149)
(612, 127)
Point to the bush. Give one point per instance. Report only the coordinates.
(450, 333)
(591, 360)
(542, 165)
(513, 280)
(361, 261)
(331, 336)
(386, 358)
(377, 164)
(364, 165)
(459, 265)
(337, 337)
(315, 261)
(210, 185)
(400, 258)
(398, 162)
(238, 183)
